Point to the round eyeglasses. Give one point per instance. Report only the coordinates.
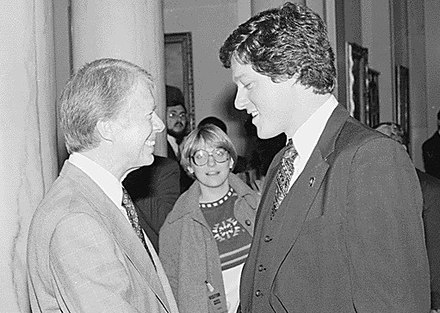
(201, 157)
(175, 115)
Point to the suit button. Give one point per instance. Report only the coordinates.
(267, 238)
(261, 268)
(248, 222)
(258, 293)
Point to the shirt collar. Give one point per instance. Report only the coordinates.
(173, 144)
(307, 136)
(103, 178)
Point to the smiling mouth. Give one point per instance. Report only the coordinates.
(212, 173)
(253, 113)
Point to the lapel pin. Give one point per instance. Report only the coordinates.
(311, 181)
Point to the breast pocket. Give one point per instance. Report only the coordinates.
(321, 223)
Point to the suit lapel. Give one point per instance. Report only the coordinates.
(295, 207)
(122, 231)
(135, 252)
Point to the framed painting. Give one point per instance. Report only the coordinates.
(179, 69)
(402, 100)
(372, 111)
(357, 81)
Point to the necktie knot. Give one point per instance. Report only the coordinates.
(290, 152)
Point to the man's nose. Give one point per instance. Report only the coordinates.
(240, 100)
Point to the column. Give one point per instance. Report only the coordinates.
(130, 30)
(28, 159)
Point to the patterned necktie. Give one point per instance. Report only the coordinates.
(284, 176)
(128, 205)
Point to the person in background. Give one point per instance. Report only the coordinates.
(263, 152)
(241, 164)
(431, 152)
(339, 227)
(154, 189)
(177, 126)
(176, 120)
(431, 214)
(205, 239)
(86, 251)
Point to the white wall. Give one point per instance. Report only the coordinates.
(210, 24)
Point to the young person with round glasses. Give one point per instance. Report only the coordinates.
(205, 239)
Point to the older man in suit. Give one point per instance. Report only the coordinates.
(339, 227)
(86, 250)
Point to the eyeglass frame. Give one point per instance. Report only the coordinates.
(210, 154)
(182, 115)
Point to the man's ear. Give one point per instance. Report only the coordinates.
(231, 164)
(106, 129)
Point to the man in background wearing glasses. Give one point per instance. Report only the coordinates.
(176, 129)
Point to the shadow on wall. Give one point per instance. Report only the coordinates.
(226, 105)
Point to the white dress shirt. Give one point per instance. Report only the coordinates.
(103, 178)
(307, 136)
(173, 144)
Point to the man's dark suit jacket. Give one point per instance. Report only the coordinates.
(348, 236)
(185, 180)
(431, 155)
(431, 219)
(154, 189)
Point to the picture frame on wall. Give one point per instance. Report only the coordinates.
(402, 116)
(179, 69)
(373, 108)
(357, 81)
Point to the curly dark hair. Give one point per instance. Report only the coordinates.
(284, 41)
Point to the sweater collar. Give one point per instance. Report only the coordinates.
(188, 203)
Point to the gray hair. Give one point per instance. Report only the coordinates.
(97, 92)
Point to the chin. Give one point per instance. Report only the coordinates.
(267, 133)
(149, 160)
(263, 135)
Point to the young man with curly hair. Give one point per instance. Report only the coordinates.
(339, 227)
